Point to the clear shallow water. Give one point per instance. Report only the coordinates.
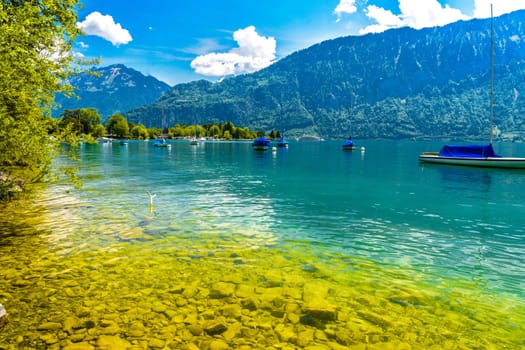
(403, 255)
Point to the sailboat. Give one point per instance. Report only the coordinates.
(194, 140)
(161, 143)
(476, 155)
(282, 143)
(349, 145)
(261, 144)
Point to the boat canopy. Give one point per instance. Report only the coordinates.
(468, 151)
(261, 141)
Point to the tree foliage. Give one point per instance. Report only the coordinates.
(139, 132)
(81, 121)
(35, 41)
(117, 125)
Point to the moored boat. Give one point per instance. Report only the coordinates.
(260, 144)
(349, 145)
(161, 143)
(104, 140)
(476, 155)
(472, 155)
(282, 143)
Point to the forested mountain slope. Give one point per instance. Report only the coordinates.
(403, 83)
(115, 89)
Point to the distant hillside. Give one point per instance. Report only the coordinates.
(403, 83)
(117, 89)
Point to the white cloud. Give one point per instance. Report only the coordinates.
(414, 13)
(429, 13)
(105, 27)
(254, 52)
(482, 7)
(345, 6)
(385, 19)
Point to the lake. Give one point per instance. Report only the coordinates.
(309, 246)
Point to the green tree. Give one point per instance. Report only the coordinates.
(188, 131)
(156, 132)
(177, 131)
(228, 126)
(35, 41)
(200, 131)
(214, 131)
(99, 131)
(117, 125)
(83, 121)
(244, 133)
(139, 132)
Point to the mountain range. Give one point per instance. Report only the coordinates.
(112, 89)
(431, 83)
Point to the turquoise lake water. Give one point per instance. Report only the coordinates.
(377, 227)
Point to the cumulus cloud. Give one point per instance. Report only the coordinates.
(105, 27)
(414, 13)
(345, 6)
(482, 7)
(384, 20)
(429, 13)
(254, 52)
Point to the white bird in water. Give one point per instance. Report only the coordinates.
(151, 196)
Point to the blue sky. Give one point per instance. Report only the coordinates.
(178, 41)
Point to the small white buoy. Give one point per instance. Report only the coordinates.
(362, 148)
(274, 149)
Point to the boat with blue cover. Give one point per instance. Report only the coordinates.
(471, 155)
(475, 155)
(161, 143)
(282, 143)
(349, 145)
(261, 144)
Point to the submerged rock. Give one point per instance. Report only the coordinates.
(112, 342)
(218, 345)
(49, 326)
(320, 309)
(215, 327)
(79, 346)
(222, 290)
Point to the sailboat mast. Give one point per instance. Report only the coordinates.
(491, 70)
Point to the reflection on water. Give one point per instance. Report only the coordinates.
(305, 247)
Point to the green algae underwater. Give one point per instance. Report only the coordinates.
(231, 257)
